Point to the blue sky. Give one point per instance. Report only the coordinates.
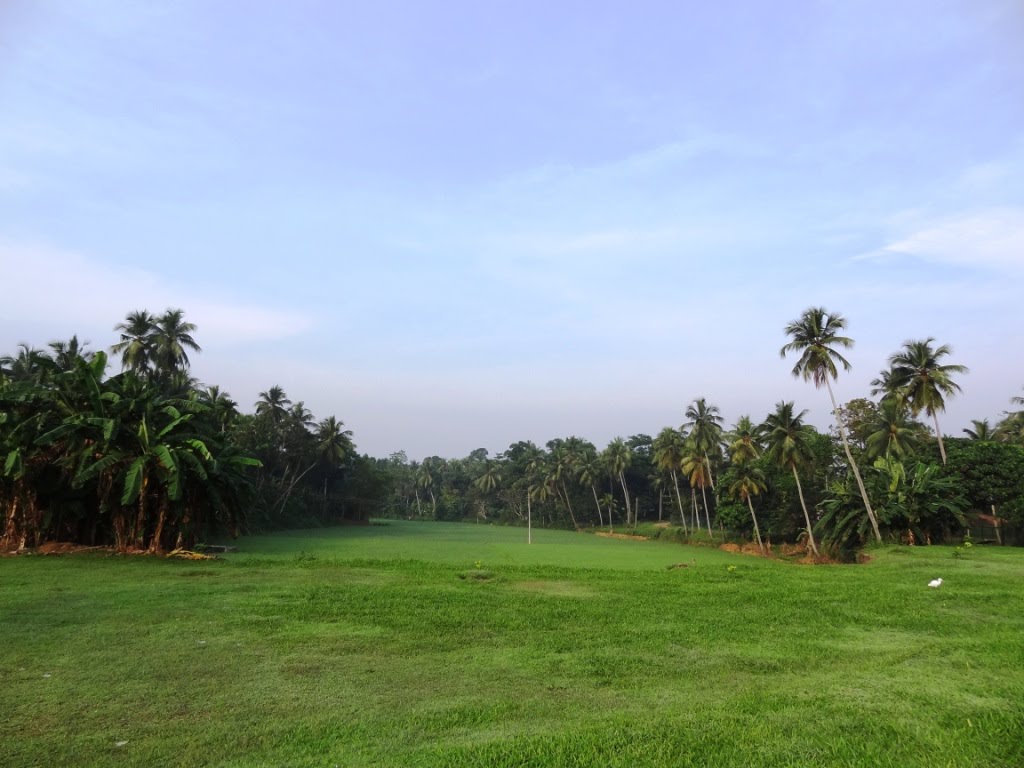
(456, 225)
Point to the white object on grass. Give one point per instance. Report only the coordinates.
(935, 583)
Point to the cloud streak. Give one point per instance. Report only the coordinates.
(990, 240)
(61, 292)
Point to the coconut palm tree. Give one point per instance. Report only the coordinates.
(617, 459)
(273, 404)
(786, 437)
(170, 340)
(743, 441)
(705, 426)
(749, 482)
(668, 456)
(917, 371)
(588, 469)
(815, 335)
(698, 472)
(64, 353)
(563, 458)
(982, 430)
(136, 344)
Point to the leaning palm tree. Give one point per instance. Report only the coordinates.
(925, 381)
(787, 439)
(815, 334)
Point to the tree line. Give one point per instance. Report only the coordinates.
(882, 474)
(151, 459)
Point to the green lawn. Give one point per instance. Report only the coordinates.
(368, 646)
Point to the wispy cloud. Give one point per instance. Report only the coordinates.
(60, 292)
(989, 240)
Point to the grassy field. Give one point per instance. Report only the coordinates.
(388, 646)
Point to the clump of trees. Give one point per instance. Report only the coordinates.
(148, 458)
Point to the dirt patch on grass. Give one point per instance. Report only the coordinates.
(631, 536)
(67, 548)
(555, 588)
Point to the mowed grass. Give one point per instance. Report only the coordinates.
(380, 646)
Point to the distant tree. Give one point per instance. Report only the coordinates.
(668, 457)
(787, 438)
(705, 428)
(925, 381)
(617, 458)
(981, 430)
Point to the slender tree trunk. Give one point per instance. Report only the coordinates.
(938, 434)
(694, 517)
(419, 509)
(661, 503)
(625, 492)
(679, 501)
(433, 503)
(803, 505)
(291, 486)
(711, 477)
(707, 512)
(565, 492)
(853, 464)
(757, 531)
(600, 516)
(529, 519)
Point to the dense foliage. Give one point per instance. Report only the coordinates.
(148, 459)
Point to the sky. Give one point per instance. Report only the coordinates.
(457, 225)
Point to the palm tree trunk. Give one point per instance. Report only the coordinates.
(853, 464)
(938, 434)
(803, 505)
(707, 512)
(419, 509)
(433, 503)
(694, 517)
(757, 531)
(529, 519)
(565, 492)
(600, 516)
(625, 492)
(711, 477)
(679, 501)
